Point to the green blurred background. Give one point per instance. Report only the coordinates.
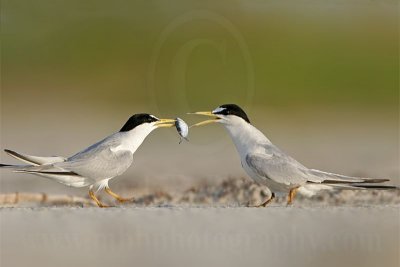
(301, 53)
(321, 77)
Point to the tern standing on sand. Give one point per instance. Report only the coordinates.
(97, 164)
(269, 166)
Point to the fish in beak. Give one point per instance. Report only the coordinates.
(214, 117)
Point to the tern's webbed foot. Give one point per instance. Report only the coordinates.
(104, 206)
(118, 197)
(98, 202)
(123, 200)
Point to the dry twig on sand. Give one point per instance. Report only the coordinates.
(15, 199)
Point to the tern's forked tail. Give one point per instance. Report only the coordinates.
(320, 180)
(29, 160)
(332, 180)
(33, 160)
(43, 166)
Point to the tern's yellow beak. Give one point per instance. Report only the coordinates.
(215, 118)
(165, 123)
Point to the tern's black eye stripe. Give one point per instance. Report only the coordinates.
(232, 109)
(137, 120)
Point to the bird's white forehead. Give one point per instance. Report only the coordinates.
(219, 109)
(154, 117)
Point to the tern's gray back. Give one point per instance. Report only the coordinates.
(102, 160)
(272, 149)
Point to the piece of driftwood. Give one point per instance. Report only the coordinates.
(15, 199)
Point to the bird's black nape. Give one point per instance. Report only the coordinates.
(137, 120)
(232, 109)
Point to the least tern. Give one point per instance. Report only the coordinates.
(97, 164)
(268, 165)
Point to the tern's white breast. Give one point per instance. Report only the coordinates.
(249, 140)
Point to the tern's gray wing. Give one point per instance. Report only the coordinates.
(103, 160)
(277, 167)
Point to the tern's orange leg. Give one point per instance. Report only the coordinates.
(117, 197)
(93, 196)
(292, 195)
(267, 202)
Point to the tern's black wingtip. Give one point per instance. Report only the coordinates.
(377, 187)
(5, 165)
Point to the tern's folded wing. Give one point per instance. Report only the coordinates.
(99, 164)
(277, 168)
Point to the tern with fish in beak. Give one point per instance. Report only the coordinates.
(94, 166)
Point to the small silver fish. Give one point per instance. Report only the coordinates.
(182, 128)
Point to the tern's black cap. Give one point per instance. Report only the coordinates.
(137, 120)
(232, 109)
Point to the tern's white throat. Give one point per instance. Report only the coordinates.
(245, 136)
(131, 140)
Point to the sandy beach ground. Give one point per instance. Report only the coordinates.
(197, 236)
(209, 225)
